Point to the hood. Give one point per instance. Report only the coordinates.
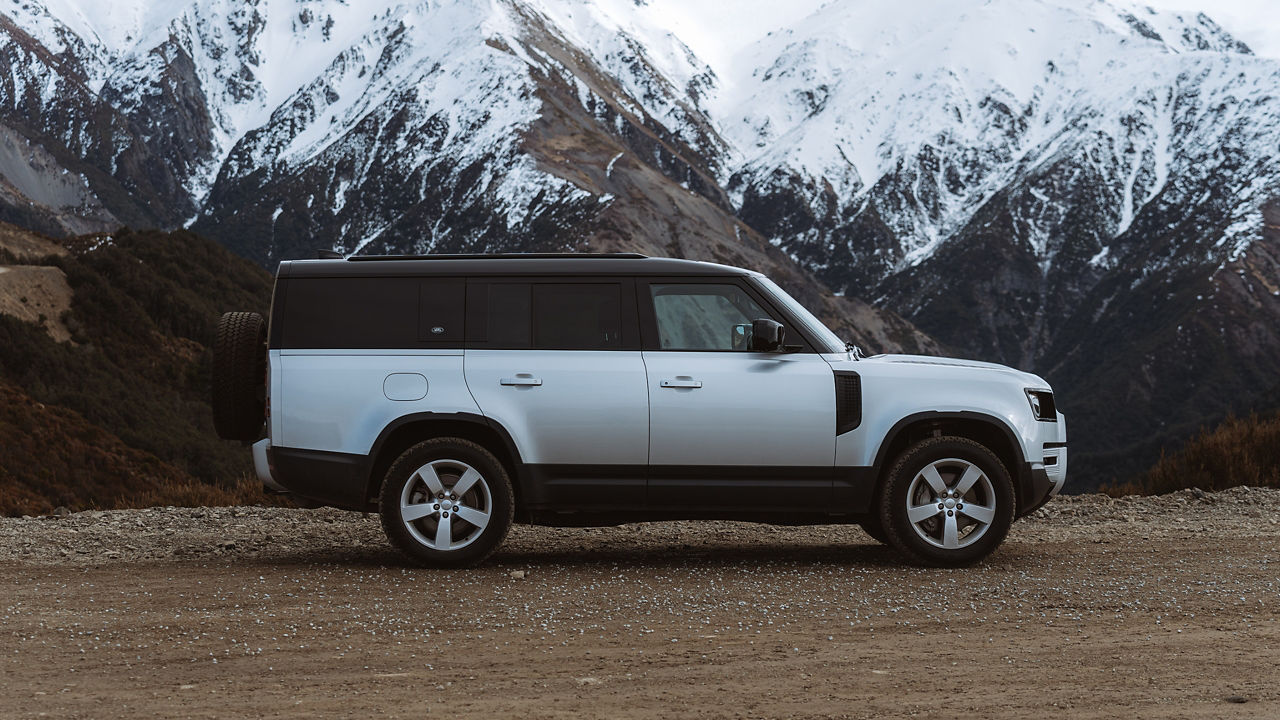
(1031, 381)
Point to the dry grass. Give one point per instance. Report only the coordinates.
(193, 493)
(51, 456)
(1240, 451)
(165, 493)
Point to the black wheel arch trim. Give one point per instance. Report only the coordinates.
(503, 434)
(1027, 490)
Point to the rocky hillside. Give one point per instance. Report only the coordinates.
(1077, 188)
(104, 396)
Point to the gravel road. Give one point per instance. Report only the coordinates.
(1140, 607)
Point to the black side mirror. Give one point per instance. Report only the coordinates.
(766, 335)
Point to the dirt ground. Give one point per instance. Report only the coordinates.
(1153, 608)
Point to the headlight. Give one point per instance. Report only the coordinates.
(1042, 406)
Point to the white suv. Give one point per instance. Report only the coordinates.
(457, 394)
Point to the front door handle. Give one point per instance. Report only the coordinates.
(682, 382)
(521, 380)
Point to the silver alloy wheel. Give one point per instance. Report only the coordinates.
(951, 503)
(446, 504)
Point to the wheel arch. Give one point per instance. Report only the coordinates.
(406, 431)
(987, 430)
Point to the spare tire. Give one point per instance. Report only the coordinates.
(240, 376)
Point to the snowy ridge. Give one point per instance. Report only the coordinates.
(920, 117)
(861, 117)
(928, 117)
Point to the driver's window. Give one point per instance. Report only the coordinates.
(704, 316)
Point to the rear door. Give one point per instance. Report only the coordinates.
(557, 363)
(728, 428)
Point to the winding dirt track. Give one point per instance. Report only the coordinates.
(1159, 607)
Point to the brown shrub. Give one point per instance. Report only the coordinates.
(1240, 451)
(51, 456)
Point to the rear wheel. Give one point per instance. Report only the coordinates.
(947, 501)
(447, 502)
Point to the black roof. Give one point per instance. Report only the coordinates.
(502, 264)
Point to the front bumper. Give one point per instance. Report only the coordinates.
(262, 466)
(1041, 481)
(1055, 466)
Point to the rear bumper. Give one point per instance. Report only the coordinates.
(329, 478)
(262, 466)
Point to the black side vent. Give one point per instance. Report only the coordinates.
(848, 401)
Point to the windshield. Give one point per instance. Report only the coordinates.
(825, 340)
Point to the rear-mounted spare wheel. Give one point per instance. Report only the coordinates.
(240, 376)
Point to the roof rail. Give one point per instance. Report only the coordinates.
(497, 256)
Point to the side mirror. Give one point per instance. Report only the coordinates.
(766, 335)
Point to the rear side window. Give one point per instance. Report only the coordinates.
(577, 317)
(373, 313)
(546, 316)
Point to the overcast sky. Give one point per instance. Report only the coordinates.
(1256, 22)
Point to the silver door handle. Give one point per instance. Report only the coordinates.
(521, 380)
(682, 383)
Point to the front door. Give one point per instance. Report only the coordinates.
(731, 429)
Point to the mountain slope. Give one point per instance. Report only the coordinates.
(118, 412)
(1074, 187)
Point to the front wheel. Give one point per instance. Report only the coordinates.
(447, 502)
(871, 526)
(947, 501)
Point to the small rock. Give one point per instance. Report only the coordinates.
(517, 574)
(1197, 493)
(1236, 699)
(61, 511)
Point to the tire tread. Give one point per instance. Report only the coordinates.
(239, 376)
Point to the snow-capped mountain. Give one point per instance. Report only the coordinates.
(1074, 186)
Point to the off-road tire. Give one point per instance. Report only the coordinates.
(893, 501)
(240, 376)
(495, 476)
(871, 525)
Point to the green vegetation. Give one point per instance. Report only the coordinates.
(135, 377)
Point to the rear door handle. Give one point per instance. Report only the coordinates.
(521, 380)
(682, 382)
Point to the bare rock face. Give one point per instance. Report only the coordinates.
(36, 294)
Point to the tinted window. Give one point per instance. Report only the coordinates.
(544, 316)
(498, 315)
(440, 311)
(371, 313)
(577, 317)
(704, 316)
